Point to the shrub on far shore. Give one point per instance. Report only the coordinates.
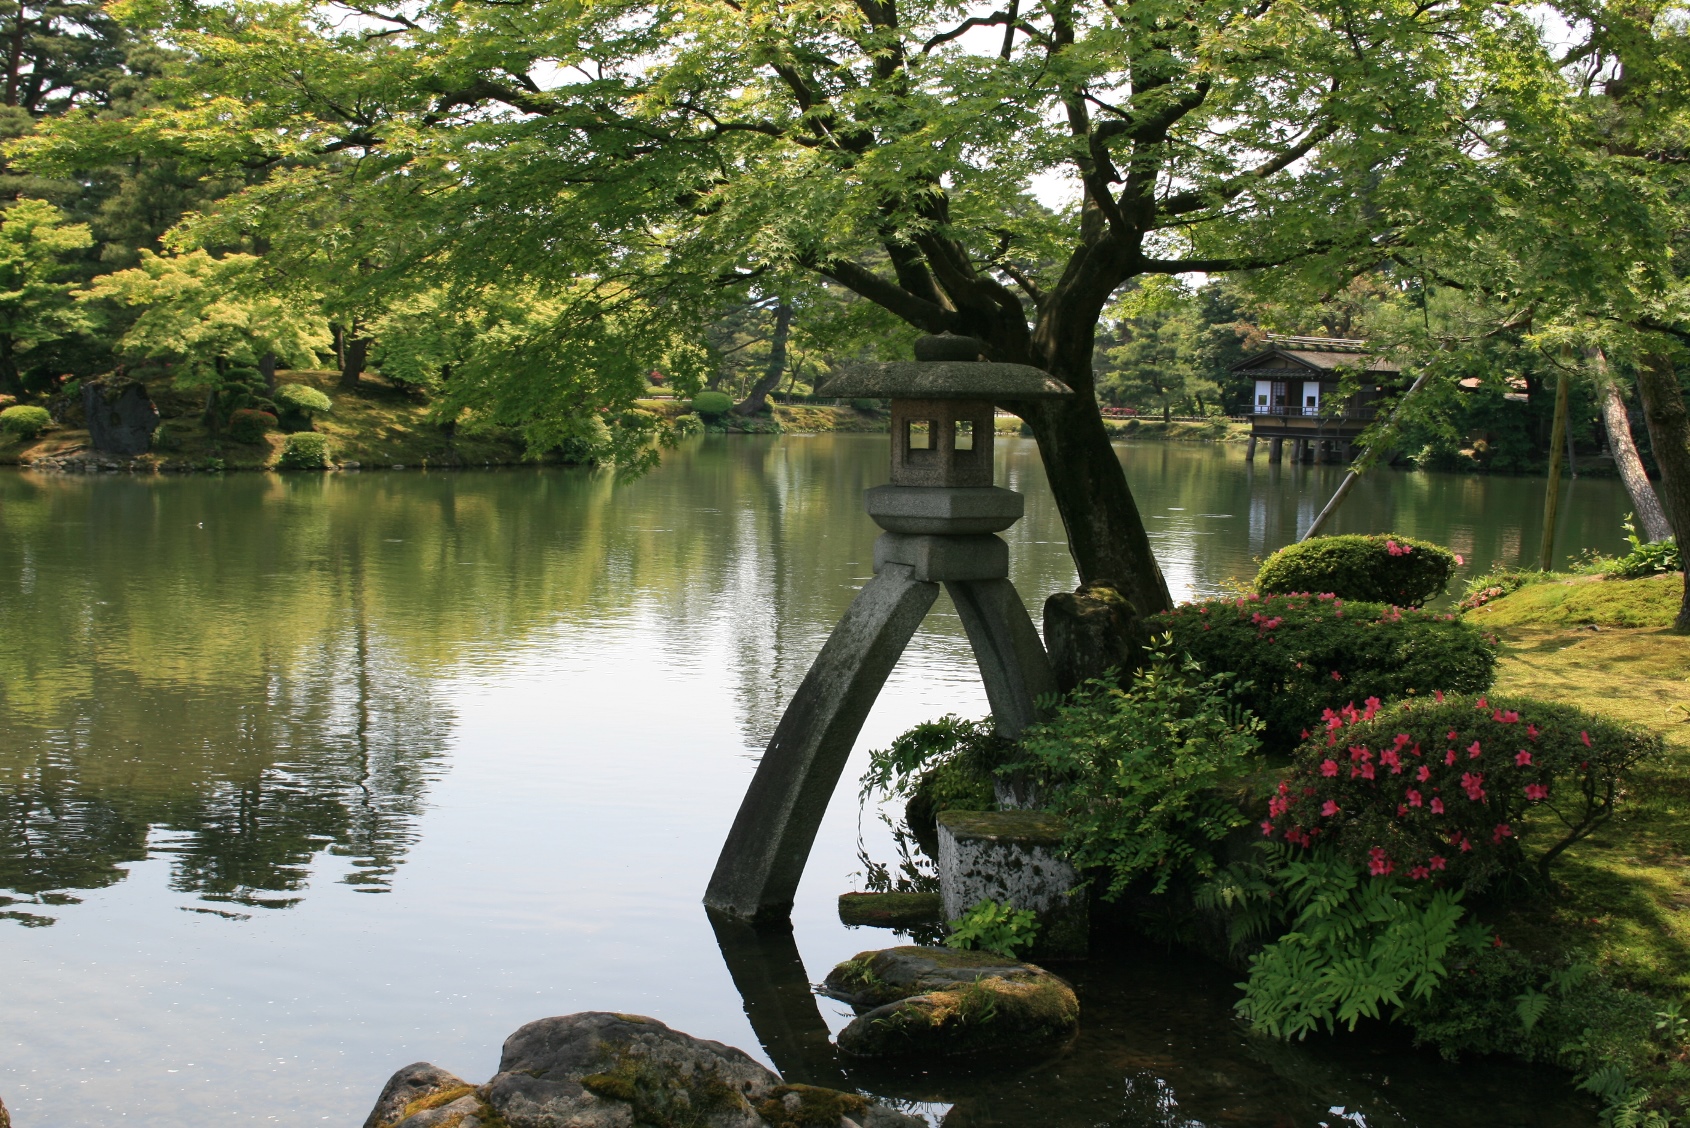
(305, 450)
(248, 425)
(1293, 656)
(712, 403)
(1379, 569)
(300, 404)
(24, 421)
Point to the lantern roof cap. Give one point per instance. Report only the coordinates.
(949, 375)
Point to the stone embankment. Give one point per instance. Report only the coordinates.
(603, 1070)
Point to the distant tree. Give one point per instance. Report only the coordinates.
(212, 318)
(36, 306)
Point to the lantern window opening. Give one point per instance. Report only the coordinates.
(963, 437)
(921, 435)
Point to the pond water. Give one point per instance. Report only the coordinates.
(305, 778)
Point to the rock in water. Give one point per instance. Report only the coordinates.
(937, 1002)
(1089, 631)
(1015, 858)
(602, 1070)
(416, 1090)
(5, 1120)
(121, 417)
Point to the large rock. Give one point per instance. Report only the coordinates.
(937, 1002)
(1090, 631)
(121, 416)
(602, 1070)
(1015, 858)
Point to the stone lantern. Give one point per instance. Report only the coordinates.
(940, 513)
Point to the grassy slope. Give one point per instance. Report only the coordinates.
(376, 425)
(1626, 891)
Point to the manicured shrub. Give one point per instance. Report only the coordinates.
(1379, 569)
(1295, 655)
(306, 450)
(299, 404)
(688, 425)
(1450, 790)
(712, 403)
(248, 425)
(25, 422)
(1140, 774)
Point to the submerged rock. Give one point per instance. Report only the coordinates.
(1090, 631)
(891, 910)
(603, 1070)
(937, 1002)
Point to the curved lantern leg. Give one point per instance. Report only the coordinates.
(757, 873)
(1012, 658)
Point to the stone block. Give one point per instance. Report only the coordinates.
(943, 510)
(980, 557)
(1013, 857)
(891, 910)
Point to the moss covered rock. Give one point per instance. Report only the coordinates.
(939, 1002)
(603, 1070)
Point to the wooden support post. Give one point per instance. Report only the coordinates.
(1250, 451)
(1276, 448)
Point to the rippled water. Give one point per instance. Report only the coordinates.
(303, 779)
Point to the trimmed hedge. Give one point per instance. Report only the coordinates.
(247, 425)
(1380, 569)
(1449, 789)
(712, 403)
(305, 450)
(24, 421)
(1295, 655)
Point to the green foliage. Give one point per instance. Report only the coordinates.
(1450, 790)
(305, 450)
(712, 404)
(897, 771)
(688, 425)
(993, 926)
(1378, 569)
(1354, 944)
(1649, 558)
(1295, 655)
(248, 425)
(211, 313)
(24, 421)
(1139, 773)
(36, 306)
(1169, 348)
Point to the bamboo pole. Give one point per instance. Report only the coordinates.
(1557, 454)
(1379, 449)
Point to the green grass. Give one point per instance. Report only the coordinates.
(1584, 601)
(1219, 430)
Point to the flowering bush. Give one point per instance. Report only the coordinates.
(1295, 655)
(1380, 569)
(249, 426)
(1448, 790)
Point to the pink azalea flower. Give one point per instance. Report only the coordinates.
(1420, 873)
(1267, 829)
(1585, 736)
(1378, 862)
(1329, 768)
(1329, 808)
(1536, 791)
(1460, 560)
(1414, 798)
(1503, 830)
(1523, 759)
(1449, 757)
(1473, 751)
(1437, 862)
(1438, 695)
(1473, 784)
(1423, 774)
(1437, 805)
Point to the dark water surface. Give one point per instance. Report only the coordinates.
(305, 778)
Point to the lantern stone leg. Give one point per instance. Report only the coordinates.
(763, 858)
(939, 512)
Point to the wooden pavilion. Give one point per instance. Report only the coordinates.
(1296, 397)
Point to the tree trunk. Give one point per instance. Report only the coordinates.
(267, 369)
(758, 397)
(1106, 535)
(1669, 432)
(1552, 497)
(1652, 522)
(354, 352)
